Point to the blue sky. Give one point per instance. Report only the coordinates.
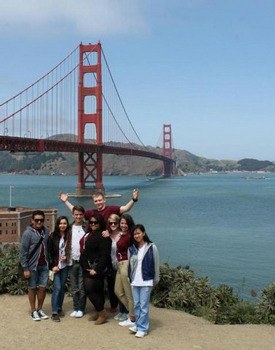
(207, 67)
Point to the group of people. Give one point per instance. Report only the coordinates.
(101, 244)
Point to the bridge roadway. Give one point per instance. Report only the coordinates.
(20, 144)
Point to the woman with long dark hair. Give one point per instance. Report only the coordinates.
(59, 249)
(95, 260)
(143, 273)
(122, 285)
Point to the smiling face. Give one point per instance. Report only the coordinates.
(63, 225)
(94, 224)
(123, 225)
(99, 201)
(139, 236)
(78, 217)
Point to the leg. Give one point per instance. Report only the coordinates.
(111, 286)
(119, 287)
(43, 274)
(63, 279)
(144, 300)
(56, 292)
(74, 285)
(127, 290)
(32, 297)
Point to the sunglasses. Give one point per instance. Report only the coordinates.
(38, 220)
(93, 222)
(113, 223)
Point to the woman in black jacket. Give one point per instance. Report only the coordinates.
(95, 260)
(59, 249)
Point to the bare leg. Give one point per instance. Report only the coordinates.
(32, 297)
(41, 297)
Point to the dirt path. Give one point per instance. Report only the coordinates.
(170, 330)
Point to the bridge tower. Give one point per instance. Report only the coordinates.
(89, 164)
(167, 150)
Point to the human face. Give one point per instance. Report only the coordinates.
(63, 225)
(113, 225)
(93, 224)
(99, 202)
(123, 225)
(38, 222)
(139, 236)
(78, 217)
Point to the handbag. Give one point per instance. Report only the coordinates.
(20, 268)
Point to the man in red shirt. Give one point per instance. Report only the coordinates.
(101, 207)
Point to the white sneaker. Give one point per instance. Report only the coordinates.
(73, 314)
(127, 323)
(140, 334)
(35, 316)
(133, 329)
(79, 314)
(42, 315)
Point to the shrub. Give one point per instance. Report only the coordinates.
(10, 281)
(265, 307)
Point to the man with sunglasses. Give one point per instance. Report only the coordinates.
(34, 261)
(101, 207)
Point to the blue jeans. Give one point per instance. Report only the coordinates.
(77, 285)
(141, 296)
(58, 293)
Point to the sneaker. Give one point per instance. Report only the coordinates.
(117, 316)
(55, 318)
(133, 329)
(35, 316)
(123, 317)
(79, 314)
(42, 315)
(127, 323)
(73, 314)
(140, 334)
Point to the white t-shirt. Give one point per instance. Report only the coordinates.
(77, 234)
(138, 280)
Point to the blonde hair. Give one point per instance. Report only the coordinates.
(114, 217)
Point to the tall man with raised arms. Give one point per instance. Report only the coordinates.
(101, 207)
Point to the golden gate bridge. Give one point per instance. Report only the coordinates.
(69, 109)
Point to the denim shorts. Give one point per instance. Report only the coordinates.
(39, 278)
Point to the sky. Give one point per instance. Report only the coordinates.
(207, 67)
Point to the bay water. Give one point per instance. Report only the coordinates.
(221, 225)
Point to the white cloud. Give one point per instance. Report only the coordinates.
(80, 17)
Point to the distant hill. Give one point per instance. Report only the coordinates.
(66, 163)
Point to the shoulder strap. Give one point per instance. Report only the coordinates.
(35, 248)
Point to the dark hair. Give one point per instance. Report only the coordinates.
(56, 231)
(99, 218)
(129, 220)
(38, 212)
(78, 208)
(142, 229)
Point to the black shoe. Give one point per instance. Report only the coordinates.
(55, 318)
(61, 313)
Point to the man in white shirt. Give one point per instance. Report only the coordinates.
(76, 277)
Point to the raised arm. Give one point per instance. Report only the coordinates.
(64, 198)
(130, 204)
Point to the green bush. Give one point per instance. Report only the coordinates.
(265, 307)
(10, 281)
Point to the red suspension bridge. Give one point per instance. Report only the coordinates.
(69, 109)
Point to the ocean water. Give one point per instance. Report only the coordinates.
(221, 225)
